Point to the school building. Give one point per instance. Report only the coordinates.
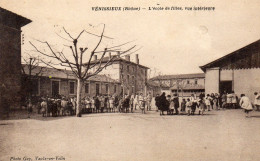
(182, 84)
(238, 71)
(50, 82)
(131, 74)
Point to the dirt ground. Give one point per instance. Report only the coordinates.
(224, 135)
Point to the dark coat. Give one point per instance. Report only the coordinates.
(164, 104)
(176, 102)
(126, 102)
(157, 101)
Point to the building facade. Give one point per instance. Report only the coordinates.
(54, 83)
(10, 58)
(238, 71)
(131, 75)
(182, 84)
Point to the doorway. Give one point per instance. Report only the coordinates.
(225, 86)
(55, 88)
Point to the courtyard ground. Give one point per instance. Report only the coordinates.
(224, 135)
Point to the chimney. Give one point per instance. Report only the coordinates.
(127, 57)
(136, 59)
(118, 54)
(95, 57)
(110, 55)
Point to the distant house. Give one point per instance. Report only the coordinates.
(238, 71)
(131, 75)
(153, 88)
(51, 82)
(10, 58)
(183, 84)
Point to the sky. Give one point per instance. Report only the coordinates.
(171, 42)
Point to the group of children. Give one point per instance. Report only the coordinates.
(97, 104)
(188, 106)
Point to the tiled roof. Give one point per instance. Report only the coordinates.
(179, 76)
(245, 51)
(154, 84)
(116, 58)
(188, 87)
(65, 74)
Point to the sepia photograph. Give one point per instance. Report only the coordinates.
(129, 80)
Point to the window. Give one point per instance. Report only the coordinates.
(72, 87)
(133, 89)
(188, 81)
(133, 79)
(97, 89)
(87, 88)
(133, 69)
(128, 70)
(196, 81)
(128, 78)
(35, 87)
(115, 89)
(107, 88)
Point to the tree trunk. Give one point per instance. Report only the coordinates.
(78, 108)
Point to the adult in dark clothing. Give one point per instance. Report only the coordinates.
(54, 108)
(106, 103)
(126, 103)
(116, 102)
(176, 103)
(157, 101)
(49, 107)
(97, 104)
(163, 106)
(70, 107)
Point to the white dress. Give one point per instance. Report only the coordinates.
(245, 103)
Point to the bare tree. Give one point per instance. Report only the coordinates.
(30, 64)
(81, 70)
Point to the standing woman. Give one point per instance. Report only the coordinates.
(176, 103)
(193, 99)
(245, 103)
(136, 101)
(132, 102)
(116, 103)
(207, 101)
(163, 104)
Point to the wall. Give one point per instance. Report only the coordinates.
(212, 80)
(10, 65)
(111, 71)
(140, 77)
(247, 81)
(46, 87)
(226, 75)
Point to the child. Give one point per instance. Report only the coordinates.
(188, 106)
(132, 103)
(183, 105)
(246, 104)
(207, 102)
(202, 106)
(111, 104)
(92, 104)
(87, 103)
(171, 107)
(44, 108)
(142, 103)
